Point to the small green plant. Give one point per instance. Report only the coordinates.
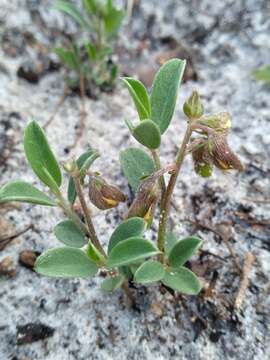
(128, 254)
(262, 73)
(88, 61)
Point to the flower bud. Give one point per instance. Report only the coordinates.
(70, 166)
(218, 122)
(193, 108)
(222, 155)
(103, 195)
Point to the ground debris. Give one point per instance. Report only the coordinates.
(6, 240)
(27, 258)
(31, 332)
(249, 260)
(7, 267)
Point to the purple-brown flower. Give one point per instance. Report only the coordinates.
(103, 195)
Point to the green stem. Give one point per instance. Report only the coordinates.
(165, 205)
(71, 214)
(88, 219)
(157, 162)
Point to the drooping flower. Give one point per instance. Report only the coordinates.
(215, 151)
(147, 196)
(103, 195)
(219, 122)
(222, 155)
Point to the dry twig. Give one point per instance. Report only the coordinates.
(223, 236)
(6, 240)
(249, 260)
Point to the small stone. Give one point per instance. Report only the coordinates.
(157, 310)
(29, 72)
(7, 267)
(27, 258)
(31, 332)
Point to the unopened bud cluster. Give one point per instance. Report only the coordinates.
(193, 107)
(212, 148)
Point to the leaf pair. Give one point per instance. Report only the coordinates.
(182, 279)
(177, 276)
(161, 105)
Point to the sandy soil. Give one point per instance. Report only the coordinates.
(225, 40)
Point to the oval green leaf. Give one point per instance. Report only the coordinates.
(130, 251)
(68, 57)
(68, 233)
(95, 255)
(170, 240)
(136, 164)
(164, 92)
(65, 262)
(140, 97)
(183, 250)
(182, 280)
(150, 271)
(21, 191)
(148, 134)
(40, 155)
(88, 162)
(112, 283)
(129, 228)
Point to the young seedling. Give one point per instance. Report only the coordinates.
(128, 254)
(262, 74)
(88, 61)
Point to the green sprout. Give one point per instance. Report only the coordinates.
(88, 61)
(262, 74)
(128, 254)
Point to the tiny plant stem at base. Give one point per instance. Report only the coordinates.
(165, 204)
